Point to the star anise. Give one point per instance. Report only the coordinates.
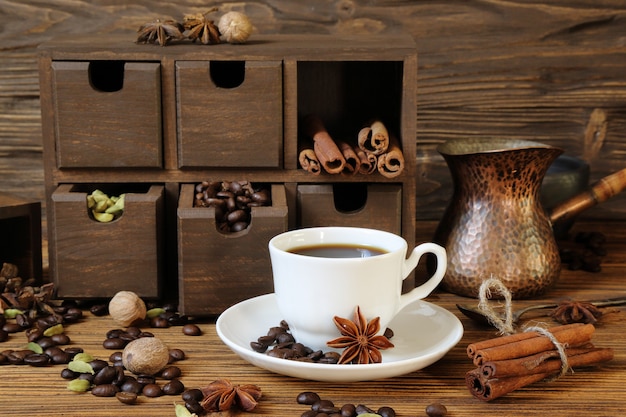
(222, 394)
(359, 340)
(200, 27)
(161, 32)
(576, 312)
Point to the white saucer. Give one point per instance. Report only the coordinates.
(423, 334)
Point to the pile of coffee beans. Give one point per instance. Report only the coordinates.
(110, 379)
(588, 256)
(284, 346)
(321, 407)
(233, 202)
(41, 351)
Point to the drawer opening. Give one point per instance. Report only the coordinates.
(106, 76)
(104, 203)
(228, 74)
(349, 197)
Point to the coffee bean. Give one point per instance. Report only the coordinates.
(4, 335)
(348, 410)
(68, 374)
(176, 355)
(105, 390)
(133, 331)
(386, 412)
(130, 384)
(23, 321)
(159, 323)
(37, 359)
(436, 410)
(105, 375)
(174, 387)
(11, 327)
(191, 330)
(321, 405)
(115, 356)
(170, 372)
(99, 310)
(146, 379)
(195, 407)
(73, 350)
(258, 347)
(61, 357)
(33, 334)
(193, 394)
(308, 398)
(60, 339)
(126, 397)
(152, 390)
(114, 343)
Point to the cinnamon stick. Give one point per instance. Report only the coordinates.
(545, 362)
(326, 150)
(369, 164)
(571, 337)
(308, 160)
(391, 163)
(489, 389)
(472, 348)
(353, 162)
(374, 138)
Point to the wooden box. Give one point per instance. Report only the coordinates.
(375, 206)
(20, 235)
(107, 113)
(229, 113)
(96, 260)
(217, 270)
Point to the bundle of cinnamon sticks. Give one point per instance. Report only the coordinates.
(507, 363)
(375, 150)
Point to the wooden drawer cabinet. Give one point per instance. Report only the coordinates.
(175, 116)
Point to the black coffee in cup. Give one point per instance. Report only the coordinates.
(338, 251)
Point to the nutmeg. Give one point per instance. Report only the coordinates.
(235, 27)
(126, 308)
(145, 356)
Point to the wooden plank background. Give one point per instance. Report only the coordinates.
(552, 71)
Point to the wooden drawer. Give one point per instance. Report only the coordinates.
(20, 235)
(217, 270)
(107, 114)
(90, 259)
(229, 113)
(376, 206)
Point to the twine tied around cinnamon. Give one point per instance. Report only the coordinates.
(484, 293)
(505, 326)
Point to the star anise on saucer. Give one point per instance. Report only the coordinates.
(200, 27)
(576, 312)
(160, 32)
(359, 340)
(222, 394)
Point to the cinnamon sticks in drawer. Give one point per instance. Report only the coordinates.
(374, 150)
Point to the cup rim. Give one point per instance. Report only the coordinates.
(401, 243)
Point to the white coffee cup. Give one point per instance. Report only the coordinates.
(310, 291)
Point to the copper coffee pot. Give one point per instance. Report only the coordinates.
(495, 225)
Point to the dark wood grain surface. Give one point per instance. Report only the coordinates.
(598, 392)
(549, 71)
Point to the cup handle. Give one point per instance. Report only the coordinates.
(429, 286)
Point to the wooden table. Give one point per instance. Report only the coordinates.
(30, 391)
